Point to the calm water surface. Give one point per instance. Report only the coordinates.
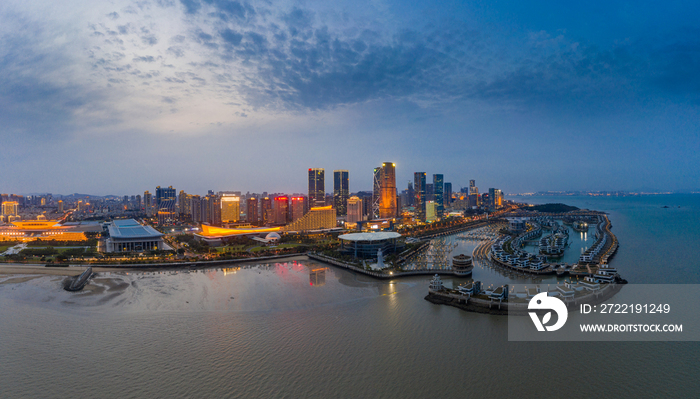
(305, 329)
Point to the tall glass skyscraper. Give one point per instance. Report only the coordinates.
(317, 189)
(419, 201)
(438, 194)
(341, 192)
(448, 194)
(387, 190)
(376, 193)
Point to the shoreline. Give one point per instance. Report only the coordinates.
(9, 269)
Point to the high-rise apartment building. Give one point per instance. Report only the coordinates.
(183, 204)
(317, 190)
(419, 201)
(387, 186)
(252, 210)
(60, 206)
(196, 208)
(148, 203)
(439, 194)
(341, 192)
(230, 208)
(297, 208)
(281, 209)
(266, 210)
(354, 210)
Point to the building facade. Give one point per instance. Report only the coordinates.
(341, 192)
(281, 210)
(317, 190)
(355, 209)
(252, 210)
(387, 200)
(419, 201)
(439, 194)
(230, 208)
(318, 218)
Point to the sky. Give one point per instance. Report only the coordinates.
(117, 97)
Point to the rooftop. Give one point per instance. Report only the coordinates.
(130, 228)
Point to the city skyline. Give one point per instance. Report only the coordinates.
(574, 98)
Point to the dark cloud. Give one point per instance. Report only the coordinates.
(147, 58)
(149, 39)
(231, 37)
(113, 15)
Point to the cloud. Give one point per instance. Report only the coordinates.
(147, 58)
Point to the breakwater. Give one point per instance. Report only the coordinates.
(504, 308)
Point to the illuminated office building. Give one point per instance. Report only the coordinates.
(431, 211)
(340, 192)
(438, 194)
(317, 190)
(230, 208)
(376, 193)
(387, 187)
(10, 208)
(60, 206)
(419, 201)
(165, 204)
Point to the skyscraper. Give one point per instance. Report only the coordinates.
(252, 210)
(165, 205)
(183, 204)
(341, 192)
(438, 194)
(419, 189)
(448, 194)
(148, 203)
(376, 193)
(281, 209)
(473, 189)
(354, 210)
(492, 199)
(266, 210)
(411, 194)
(297, 208)
(387, 187)
(317, 190)
(230, 208)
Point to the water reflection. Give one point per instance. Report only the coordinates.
(317, 277)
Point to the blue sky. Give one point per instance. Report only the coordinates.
(121, 96)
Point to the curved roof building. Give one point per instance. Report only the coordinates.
(366, 245)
